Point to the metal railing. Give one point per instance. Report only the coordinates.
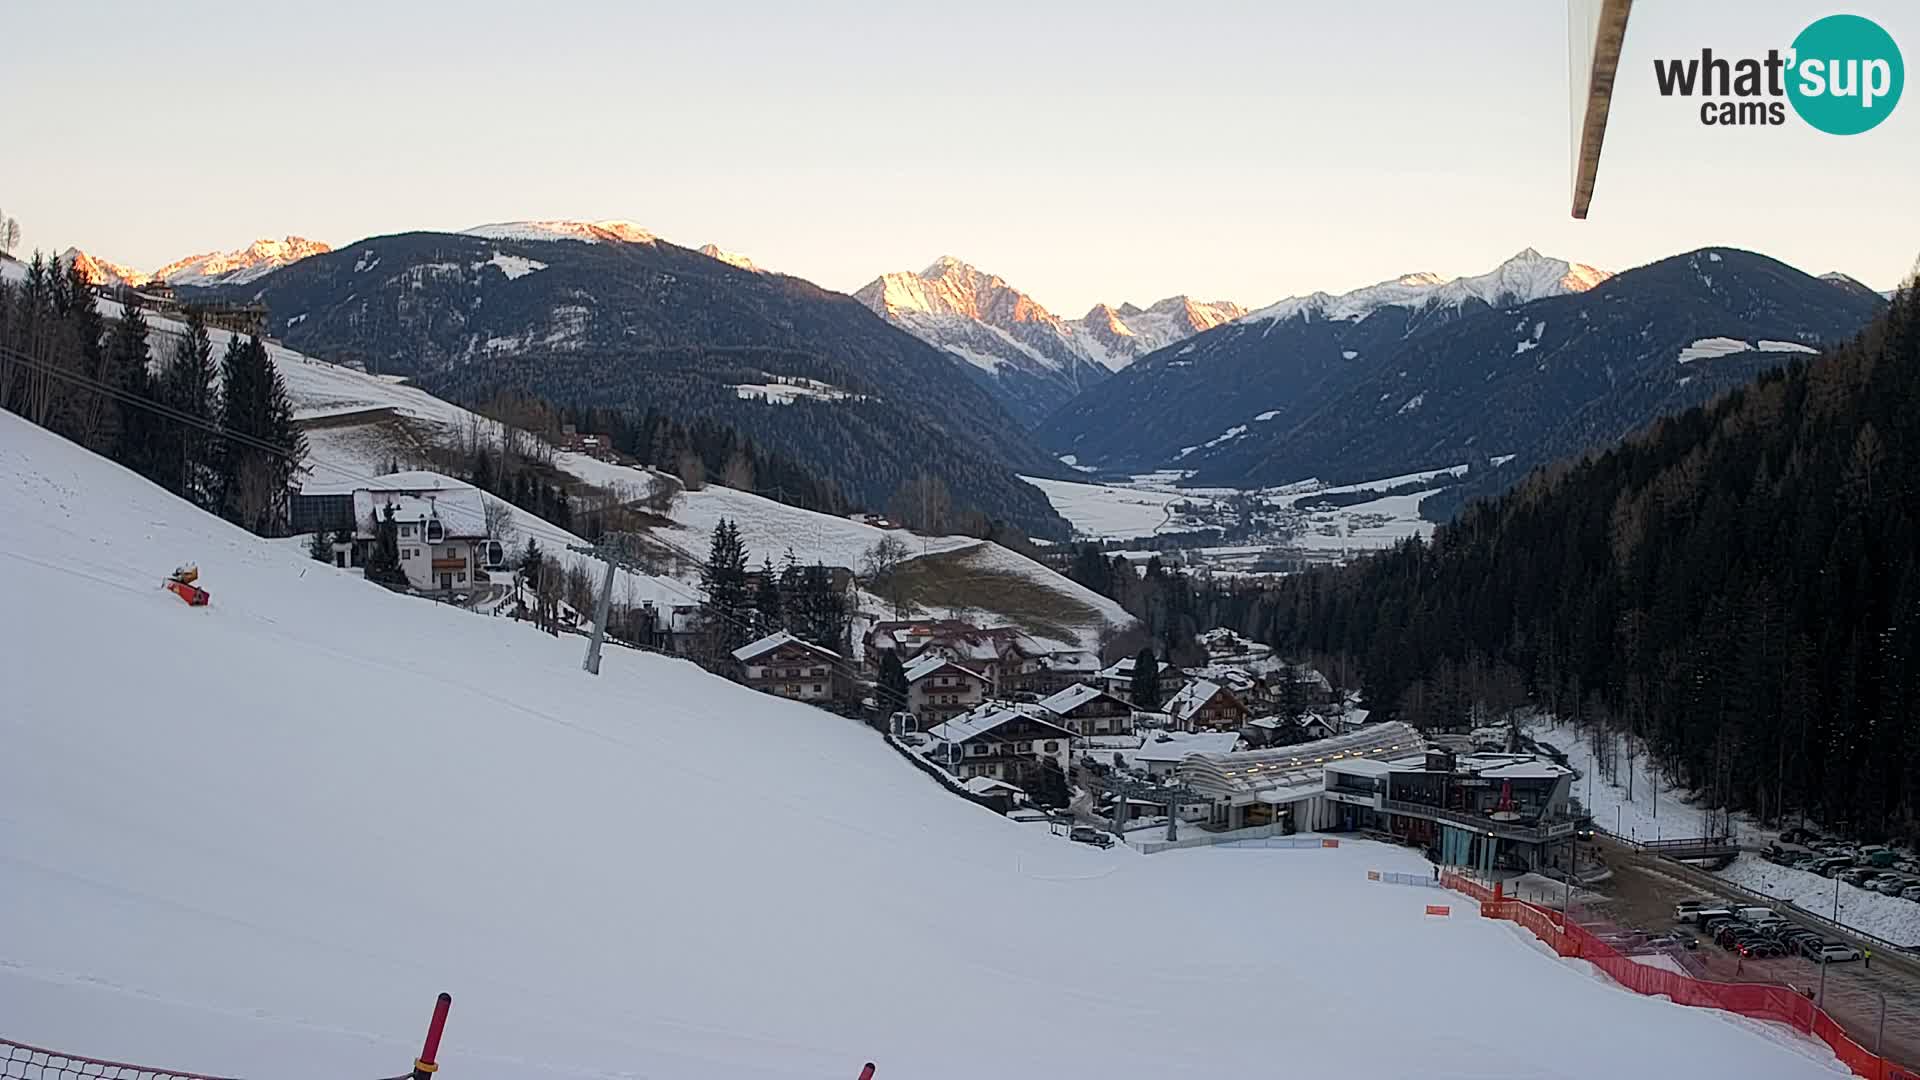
(1538, 834)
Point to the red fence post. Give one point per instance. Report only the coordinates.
(427, 1063)
(867, 1073)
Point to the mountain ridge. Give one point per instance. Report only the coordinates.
(205, 270)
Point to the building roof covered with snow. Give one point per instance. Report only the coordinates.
(1065, 701)
(927, 665)
(748, 652)
(461, 510)
(1191, 698)
(983, 721)
(1180, 745)
(1252, 773)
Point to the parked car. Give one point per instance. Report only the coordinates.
(1832, 866)
(1834, 951)
(1707, 914)
(1859, 876)
(1687, 911)
(1711, 927)
(1761, 949)
(1677, 938)
(1911, 892)
(1891, 884)
(1087, 834)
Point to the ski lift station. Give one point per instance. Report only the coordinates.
(1485, 810)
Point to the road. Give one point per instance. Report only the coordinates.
(1644, 889)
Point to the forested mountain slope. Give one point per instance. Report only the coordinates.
(638, 323)
(1739, 584)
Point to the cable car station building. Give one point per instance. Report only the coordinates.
(1484, 810)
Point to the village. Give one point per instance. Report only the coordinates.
(1102, 743)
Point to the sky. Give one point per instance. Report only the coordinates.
(1085, 152)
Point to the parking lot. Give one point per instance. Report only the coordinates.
(1641, 896)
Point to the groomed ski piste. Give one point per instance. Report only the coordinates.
(255, 838)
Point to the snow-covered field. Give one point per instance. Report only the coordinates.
(1105, 512)
(257, 837)
(1151, 503)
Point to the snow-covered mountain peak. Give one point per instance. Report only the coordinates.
(1525, 277)
(612, 230)
(99, 271)
(731, 258)
(256, 260)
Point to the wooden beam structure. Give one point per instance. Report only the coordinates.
(1609, 33)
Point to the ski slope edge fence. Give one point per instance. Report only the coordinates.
(24, 1062)
(1758, 1001)
(21, 1061)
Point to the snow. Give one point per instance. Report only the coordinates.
(1412, 403)
(731, 258)
(1348, 354)
(379, 798)
(1705, 348)
(792, 390)
(1228, 435)
(1641, 817)
(1887, 917)
(1266, 416)
(589, 232)
(1525, 277)
(514, 266)
(1115, 513)
(1381, 523)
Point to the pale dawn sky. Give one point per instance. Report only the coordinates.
(1086, 152)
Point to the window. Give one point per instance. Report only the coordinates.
(406, 530)
(1053, 747)
(816, 688)
(452, 552)
(461, 576)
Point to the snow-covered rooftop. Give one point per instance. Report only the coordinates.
(1192, 698)
(1254, 771)
(1179, 745)
(981, 721)
(930, 663)
(773, 641)
(1065, 701)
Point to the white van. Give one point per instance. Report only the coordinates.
(1757, 916)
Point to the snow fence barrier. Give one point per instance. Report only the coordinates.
(22, 1061)
(1760, 1001)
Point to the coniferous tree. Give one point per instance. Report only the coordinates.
(252, 483)
(824, 608)
(1146, 680)
(769, 614)
(383, 561)
(892, 687)
(129, 359)
(726, 609)
(320, 548)
(184, 448)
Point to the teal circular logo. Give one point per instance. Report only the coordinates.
(1846, 75)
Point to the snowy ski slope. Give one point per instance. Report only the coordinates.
(256, 838)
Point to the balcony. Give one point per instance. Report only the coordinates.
(1510, 830)
(449, 566)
